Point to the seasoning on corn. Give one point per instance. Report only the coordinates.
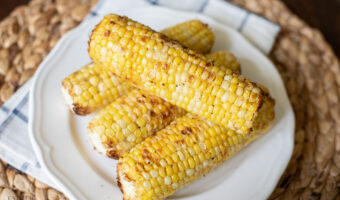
(91, 88)
(225, 60)
(161, 66)
(181, 153)
(194, 34)
(129, 120)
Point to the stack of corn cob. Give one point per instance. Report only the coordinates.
(170, 110)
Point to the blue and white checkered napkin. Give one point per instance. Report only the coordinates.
(15, 147)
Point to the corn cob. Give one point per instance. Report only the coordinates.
(137, 115)
(87, 100)
(225, 60)
(193, 34)
(91, 88)
(161, 66)
(83, 99)
(129, 120)
(184, 151)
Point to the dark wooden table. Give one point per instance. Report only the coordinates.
(321, 14)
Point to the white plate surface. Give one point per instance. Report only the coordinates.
(60, 140)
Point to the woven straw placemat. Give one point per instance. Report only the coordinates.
(306, 62)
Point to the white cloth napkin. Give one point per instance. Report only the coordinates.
(15, 147)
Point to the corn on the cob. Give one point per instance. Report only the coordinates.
(193, 34)
(91, 88)
(113, 130)
(225, 60)
(184, 151)
(162, 66)
(129, 120)
(82, 103)
(83, 99)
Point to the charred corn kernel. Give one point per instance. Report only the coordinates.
(162, 62)
(126, 122)
(225, 60)
(197, 165)
(89, 83)
(193, 34)
(265, 115)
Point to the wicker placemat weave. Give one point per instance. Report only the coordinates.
(307, 64)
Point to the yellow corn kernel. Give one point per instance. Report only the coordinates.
(162, 172)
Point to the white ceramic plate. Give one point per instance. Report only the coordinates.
(60, 140)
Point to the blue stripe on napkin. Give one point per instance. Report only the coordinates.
(5, 109)
(24, 166)
(153, 2)
(16, 113)
(203, 6)
(20, 115)
(246, 17)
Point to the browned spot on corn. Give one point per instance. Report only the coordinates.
(187, 130)
(127, 178)
(119, 184)
(80, 110)
(154, 101)
(112, 154)
(109, 143)
(152, 114)
(144, 38)
(191, 78)
(146, 152)
(165, 67)
(140, 100)
(166, 115)
(107, 33)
